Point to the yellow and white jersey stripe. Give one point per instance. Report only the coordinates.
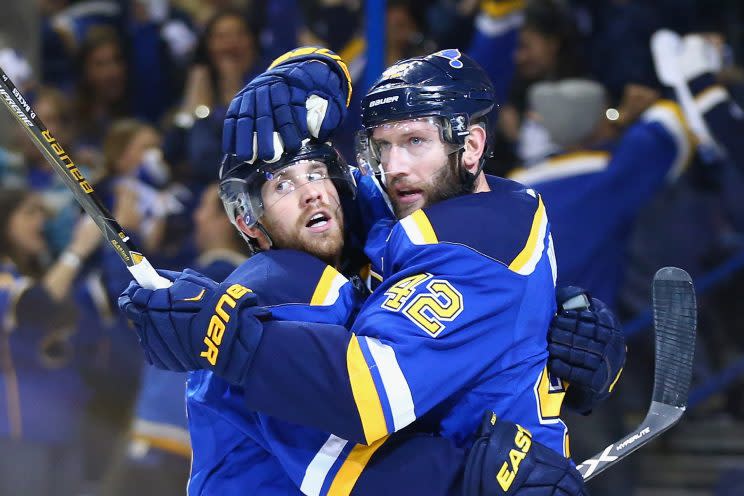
(379, 387)
(526, 261)
(568, 165)
(669, 114)
(419, 229)
(328, 288)
(341, 480)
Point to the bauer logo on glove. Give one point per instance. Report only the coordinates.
(219, 320)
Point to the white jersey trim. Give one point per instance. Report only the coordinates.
(669, 115)
(492, 27)
(321, 464)
(560, 168)
(396, 387)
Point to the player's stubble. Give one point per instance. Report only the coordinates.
(444, 184)
(326, 246)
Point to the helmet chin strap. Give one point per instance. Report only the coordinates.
(467, 179)
(261, 228)
(253, 242)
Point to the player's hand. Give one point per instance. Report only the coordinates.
(505, 460)
(304, 94)
(586, 347)
(196, 324)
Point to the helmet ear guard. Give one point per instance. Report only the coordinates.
(458, 128)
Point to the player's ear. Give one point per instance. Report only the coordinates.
(253, 232)
(475, 146)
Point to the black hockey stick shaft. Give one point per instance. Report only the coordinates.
(675, 323)
(73, 178)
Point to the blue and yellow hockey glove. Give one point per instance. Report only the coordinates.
(586, 347)
(196, 324)
(304, 93)
(505, 460)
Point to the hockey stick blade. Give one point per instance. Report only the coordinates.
(675, 322)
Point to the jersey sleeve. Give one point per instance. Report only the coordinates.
(405, 463)
(417, 464)
(724, 117)
(660, 144)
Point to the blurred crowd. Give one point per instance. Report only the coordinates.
(136, 91)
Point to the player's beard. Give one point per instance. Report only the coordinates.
(326, 246)
(444, 184)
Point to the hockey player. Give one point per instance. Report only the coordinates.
(354, 419)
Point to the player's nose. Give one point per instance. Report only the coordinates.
(312, 192)
(397, 162)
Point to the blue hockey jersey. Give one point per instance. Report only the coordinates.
(594, 196)
(723, 116)
(471, 277)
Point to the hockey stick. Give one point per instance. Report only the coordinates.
(61, 162)
(675, 321)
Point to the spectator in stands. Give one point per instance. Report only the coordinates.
(204, 10)
(518, 46)
(160, 43)
(135, 172)
(22, 164)
(43, 393)
(547, 50)
(227, 58)
(102, 85)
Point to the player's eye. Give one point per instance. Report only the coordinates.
(315, 176)
(284, 186)
(382, 146)
(417, 140)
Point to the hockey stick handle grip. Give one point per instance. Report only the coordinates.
(81, 189)
(147, 277)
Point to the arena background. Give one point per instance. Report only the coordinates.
(136, 91)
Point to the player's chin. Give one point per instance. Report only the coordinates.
(326, 245)
(405, 209)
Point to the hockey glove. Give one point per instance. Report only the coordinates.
(304, 93)
(196, 324)
(586, 347)
(505, 460)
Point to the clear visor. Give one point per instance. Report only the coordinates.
(377, 148)
(264, 188)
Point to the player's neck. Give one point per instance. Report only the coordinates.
(481, 185)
